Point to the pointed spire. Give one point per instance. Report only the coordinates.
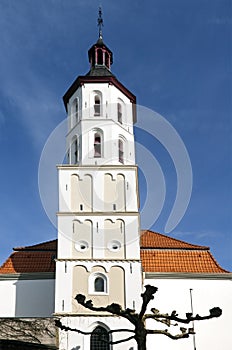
(100, 22)
(100, 56)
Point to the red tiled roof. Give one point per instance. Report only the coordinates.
(159, 253)
(35, 258)
(183, 261)
(150, 239)
(50, 245)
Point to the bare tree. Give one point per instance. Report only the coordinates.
(138, 320)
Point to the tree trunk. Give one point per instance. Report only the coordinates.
(141, 336)
(141, 343)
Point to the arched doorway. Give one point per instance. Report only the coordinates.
(99, 339)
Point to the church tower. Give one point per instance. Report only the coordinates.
(98, 217)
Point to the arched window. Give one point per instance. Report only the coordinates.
(99, 339)
(75, 151)
(120, 151)
(74, 112)
(68, 157)
(119, 113)
(99, 56)
(97, 105)
(98, 284)
(97, 145)
(107, 60)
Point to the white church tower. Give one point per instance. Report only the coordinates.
(98, 218)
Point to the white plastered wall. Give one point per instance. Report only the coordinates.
(73, 340)
(107, 122)
(98, 186)
(65, 235)
(26, 298)
(207, 292)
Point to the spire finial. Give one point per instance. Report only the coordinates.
(100, 22)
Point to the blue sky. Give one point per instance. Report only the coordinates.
(175, 56)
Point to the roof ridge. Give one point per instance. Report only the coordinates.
(196, 246)
(34, 246)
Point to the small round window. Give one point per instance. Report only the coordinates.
(114, 246)
(81, 246)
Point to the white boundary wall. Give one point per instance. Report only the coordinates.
(208, 291)
(27, 295)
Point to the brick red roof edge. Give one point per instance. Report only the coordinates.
(45, 246)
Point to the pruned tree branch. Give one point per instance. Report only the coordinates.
(214, 312)
(60, 325)
(116, 341)
(114, 309)
(139, 319)
(185, 333)
(147, 296)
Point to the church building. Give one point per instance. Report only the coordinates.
(101, 251)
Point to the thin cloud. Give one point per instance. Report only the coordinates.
(189, 119)
(220, 21)
(197, 234)
(33, 104)
(25, 90)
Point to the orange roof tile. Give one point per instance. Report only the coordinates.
(183, 261)
(50, 245)
(150, 239)
(160, 253)
(35, 258)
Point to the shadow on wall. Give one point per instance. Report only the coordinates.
(34, 298)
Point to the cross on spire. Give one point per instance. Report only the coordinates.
(100, 22)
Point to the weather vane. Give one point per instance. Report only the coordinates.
(100, 22)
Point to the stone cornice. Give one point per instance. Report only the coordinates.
(111, 80)
(97, 167)
(99, 213)
(101, 260)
